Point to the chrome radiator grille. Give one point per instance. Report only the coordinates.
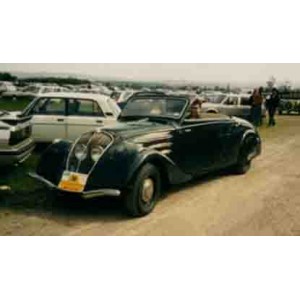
(86, 143)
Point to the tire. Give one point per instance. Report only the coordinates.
(242, 167)
(244, 163)
(137, 201)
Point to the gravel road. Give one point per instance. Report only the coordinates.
(266, 201)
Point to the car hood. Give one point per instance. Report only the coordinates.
(133, 130)
(12, 118)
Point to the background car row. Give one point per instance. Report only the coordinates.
(58, 113)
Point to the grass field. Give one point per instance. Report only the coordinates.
(13, 105)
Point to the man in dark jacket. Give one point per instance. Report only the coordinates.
(272, 104)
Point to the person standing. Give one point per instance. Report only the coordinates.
(256, 101)
(272, 104)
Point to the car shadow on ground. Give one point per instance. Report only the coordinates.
(41, 203)
(198, 181)
(72, 210)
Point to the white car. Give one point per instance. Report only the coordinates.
(68, 115)
(237, 105)
(16, 143)
(6, 87)
(33, 91)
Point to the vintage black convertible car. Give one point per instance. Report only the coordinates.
(157, 141)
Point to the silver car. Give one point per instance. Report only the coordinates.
(16, 143)
(237, 105)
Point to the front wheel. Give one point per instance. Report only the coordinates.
(142, 197)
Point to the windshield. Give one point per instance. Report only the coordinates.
(168, 108)
(215, 98)
(31, 89)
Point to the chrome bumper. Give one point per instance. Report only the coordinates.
(85, 195)
(16, 154)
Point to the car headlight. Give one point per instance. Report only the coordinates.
(80, 152)
(96, 152)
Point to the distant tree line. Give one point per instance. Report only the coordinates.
(5, 76)
(54, 80)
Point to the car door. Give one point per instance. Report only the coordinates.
(196, 147)
(84, 115)
(48, 119)
(230, 106)
(229, 141)
(245, 107)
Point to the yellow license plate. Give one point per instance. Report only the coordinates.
(73, 182)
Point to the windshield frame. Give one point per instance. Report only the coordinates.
(156, 98)
(29, 107)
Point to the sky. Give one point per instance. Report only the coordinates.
(223, 73)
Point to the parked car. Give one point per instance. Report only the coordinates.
(33, 91)
(94, 89)
(230, 104)
(6, 87)
(16, 143)
(122, 97)
(289, 106)
(140, 94)
(155, 143)
(68, 115)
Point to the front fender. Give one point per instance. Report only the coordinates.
(118, 167)
(53, 161)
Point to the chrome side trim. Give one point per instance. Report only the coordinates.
(159, 146)
(85, 195)
(102, 192)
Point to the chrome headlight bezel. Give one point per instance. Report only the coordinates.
(96, 152)
(80, 152)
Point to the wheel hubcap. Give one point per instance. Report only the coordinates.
(147, 190)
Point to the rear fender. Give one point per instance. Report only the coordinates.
(255, 141)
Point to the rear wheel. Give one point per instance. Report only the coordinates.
(142, 197)
(243, 166)
(244, 160)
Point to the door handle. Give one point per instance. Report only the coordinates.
(60, 120)
(99, 121)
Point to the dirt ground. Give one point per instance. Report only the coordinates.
(266, 201)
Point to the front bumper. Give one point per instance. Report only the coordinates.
(16, 154)
(84, 195)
